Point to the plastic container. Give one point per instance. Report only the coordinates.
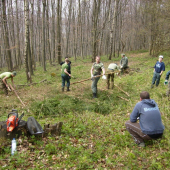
(14, 146)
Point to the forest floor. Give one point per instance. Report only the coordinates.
(93, 134)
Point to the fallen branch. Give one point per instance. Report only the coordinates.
(91, 78)
(16, 94)
(123, 98)
(121, 90)
(32, 83)
(43, 80)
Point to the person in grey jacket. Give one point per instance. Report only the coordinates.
(123, 62)
(150, 124)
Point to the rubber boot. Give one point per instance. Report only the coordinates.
(94, 95)
(68, 89)
(62, 89)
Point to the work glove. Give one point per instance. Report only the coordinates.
(104, 77)
(166, 82)
(9, 88)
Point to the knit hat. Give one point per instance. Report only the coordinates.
(14, 73)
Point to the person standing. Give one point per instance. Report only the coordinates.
(167, 77)
(123, 62)
(158, 70)
(110, 76)
(3, 80)
(150, 124)
(65, 75)
(69, 65)
(96, 70)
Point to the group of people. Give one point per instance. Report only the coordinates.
(146, 111)
(98, 67)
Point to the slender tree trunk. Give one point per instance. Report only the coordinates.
(18, 55)
(43, 41)
(112, 31)
(32, 37)
(68, 31)
(59, 9)
(48, 34)
(53, 30)
(7, 46)
(26, 9)
(96, 11)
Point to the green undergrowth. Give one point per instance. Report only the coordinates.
(93, 134)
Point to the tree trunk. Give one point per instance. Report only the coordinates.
(96, 11)
(32, 37)
(7, 46)
(18, 55)
(43, 41)
(26, 10)
(59, 9)
(53, 30)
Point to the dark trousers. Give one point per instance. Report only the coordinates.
(3, 87)
(156, 77)
(94, 84)
(65, 78)
(135, 131)
(110, 77)
(167, 75)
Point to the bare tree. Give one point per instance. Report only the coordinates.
(59, 6)
(6, 34)
(43, 40)
(26, 10)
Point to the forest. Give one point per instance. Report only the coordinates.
(36, 35)
(40, 31)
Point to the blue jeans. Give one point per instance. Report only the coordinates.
(65, 78)
(156, 77)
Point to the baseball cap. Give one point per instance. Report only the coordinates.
(122, 54)
(161, 56)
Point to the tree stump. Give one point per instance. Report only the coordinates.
(21, 129)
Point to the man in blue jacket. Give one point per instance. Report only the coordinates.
(150, 124)
(158, 70)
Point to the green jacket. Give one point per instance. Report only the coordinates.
(124, 62)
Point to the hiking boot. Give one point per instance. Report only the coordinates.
(142, 144)
(152, 86)
(68, 89)
(62, 89)
(94, 95)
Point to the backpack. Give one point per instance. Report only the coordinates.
(34, 127)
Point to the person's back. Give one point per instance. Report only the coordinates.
(149, 117)
(5, 74)
(112, 66)
(150, 124)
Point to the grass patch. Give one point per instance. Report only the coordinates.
(93, 133)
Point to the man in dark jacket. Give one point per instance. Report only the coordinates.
(158, 70)
(150, 124)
